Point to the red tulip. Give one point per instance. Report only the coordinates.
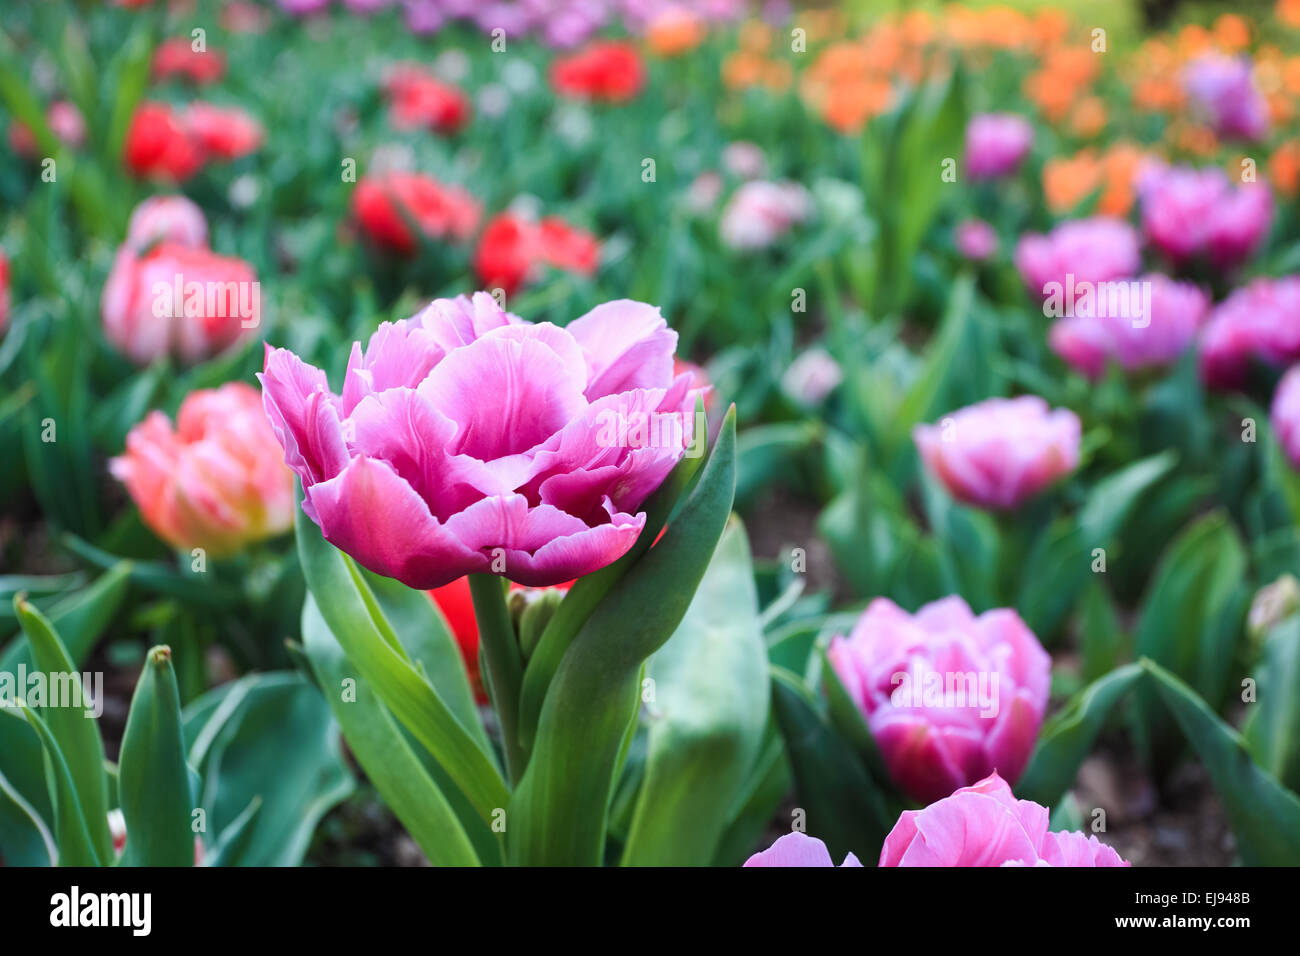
(612, 72)
(512, 248)
(178, 58)
(159, 145)
(440, 212)
(223, 132)
(419, 100)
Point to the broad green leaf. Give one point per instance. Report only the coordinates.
(706, 722)
(153, 779)
(1265, 816)
(1273, 730)
(768, 784)
(1190, 623)
(278, 747)
(1068, 735)
(72, 723)
(76, 845)
(383, 752)
(558, 813)
(355, 618)
(844, 808)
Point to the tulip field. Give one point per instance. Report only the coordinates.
(649, 433)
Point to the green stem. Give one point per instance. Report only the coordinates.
(504, 666)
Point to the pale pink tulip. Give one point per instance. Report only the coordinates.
(999, 452)
(1093, 250)
(167, 219)
(798, 849)
(1285, 415)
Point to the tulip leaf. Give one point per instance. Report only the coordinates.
(269, 740)
(1273, 730)
(1068, 735)
(25, 839)
(75, 843)
(847, 719)
(356, 620)
(843, 806)
(589, 591)
(707, 719)
(154, 781)
(377, 742)
(767, 785)
(71, 722)
(1190, 623)
(1265, 816)
(560, 809)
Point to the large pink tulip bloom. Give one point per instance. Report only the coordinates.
(798, 849)
(985, 825)
(999, 452)
(1089, 342)
(949, 697)
(217, 480)
(1093, 250)
(467, 440)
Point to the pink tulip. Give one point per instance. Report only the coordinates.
(985, 825)
(811, 377)
(976, 240)
(4, 292)
(177, 300)
(1189, 214)
(1000, 452)
(1093, 250)
(1285, 415)
(798, 849)
(1258, 322)
(949, 697)
(1177, 311)
(996, 144)
(217, 481)
(1223, 90)
(468, 440)
(167, 219)
(761, 212)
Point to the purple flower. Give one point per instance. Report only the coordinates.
(949, 697)
(798, 849)
(1093, 250)
(1258, 322)
(1189, 213)
(1223, 89)
(999, 452)
(996, 144)
(1285, 415)
(468, 440)
(1173, 317)
(976, 240)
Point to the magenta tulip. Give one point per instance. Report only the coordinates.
(798, 849)
(949, 697)
(996, 144)
(1285, 415)
(985, 825)
(1191, 214)
(1093, 250)
(468, 440)
(1002, 451)
(1177, 310)
(1223, 90)
(1258, 322)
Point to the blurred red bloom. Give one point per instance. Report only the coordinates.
(382, 204)
(178, 58)
(223, 132)
(65, 122)
(511, 248)
(160, 145)
(457, 606)
(418, 99)
(610, 71)
(4, 293)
